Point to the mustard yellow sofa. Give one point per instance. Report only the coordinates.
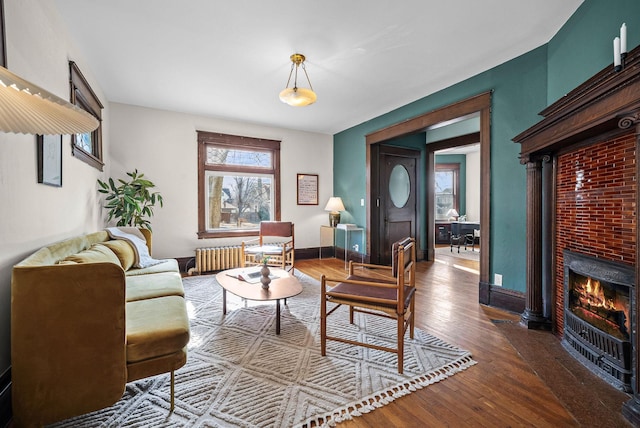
(84, 322)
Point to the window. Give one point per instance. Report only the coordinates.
(238, 184)
(447, 189)
(86, 147)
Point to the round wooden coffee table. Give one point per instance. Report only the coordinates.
(283, 287)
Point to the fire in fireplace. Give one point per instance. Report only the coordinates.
(597, 316)
(602, 304)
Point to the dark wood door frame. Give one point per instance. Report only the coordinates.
(478, 104)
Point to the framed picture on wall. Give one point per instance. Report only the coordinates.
(49, 149)
(307, 189)
(3, 49)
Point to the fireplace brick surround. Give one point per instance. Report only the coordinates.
(582, 196)
(595, 209)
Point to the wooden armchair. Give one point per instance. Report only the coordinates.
(276, 241)
(390, 297)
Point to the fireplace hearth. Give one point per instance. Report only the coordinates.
(597, 316)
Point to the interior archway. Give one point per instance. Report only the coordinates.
(479, 104)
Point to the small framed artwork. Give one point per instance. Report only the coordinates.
(3, 49)
(50, 159)
(307, 189)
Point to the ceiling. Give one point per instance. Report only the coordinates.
(230, 59)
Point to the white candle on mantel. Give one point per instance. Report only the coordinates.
(616, 52)
(623, 38)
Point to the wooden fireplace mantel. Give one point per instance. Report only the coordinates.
(606, 105)
(594, 108)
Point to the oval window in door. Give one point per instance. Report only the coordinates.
(399, 186)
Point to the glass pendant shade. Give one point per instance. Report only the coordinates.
(295, 96)
(298, 97)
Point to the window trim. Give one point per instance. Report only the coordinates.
(205, 139)
(83, 96)
(455, 167)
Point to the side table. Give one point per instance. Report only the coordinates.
(329, 234)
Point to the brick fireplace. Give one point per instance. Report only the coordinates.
(595, 226)
(582, 196)
(595, 207)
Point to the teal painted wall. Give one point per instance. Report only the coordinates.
(521, 88)
(462, 160)
(355, 213)
(519, 92)
(584, 45)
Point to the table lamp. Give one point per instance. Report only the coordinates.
(334, 205)
(452, 214)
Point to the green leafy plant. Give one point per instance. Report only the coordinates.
(131, 203)
(261, 258)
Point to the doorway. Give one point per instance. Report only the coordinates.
(480, 105)
(396, 198)
(457, 205)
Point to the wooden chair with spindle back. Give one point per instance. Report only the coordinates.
(276, 241)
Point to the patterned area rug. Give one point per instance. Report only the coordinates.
(239, 373)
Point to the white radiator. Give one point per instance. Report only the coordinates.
(218, 258)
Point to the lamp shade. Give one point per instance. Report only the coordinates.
(28, 109)
(452, 213)
(298, 97)
(295, 96)
(335, 204)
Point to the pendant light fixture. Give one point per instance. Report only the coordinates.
(297, 97)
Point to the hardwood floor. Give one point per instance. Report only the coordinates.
(500, 391)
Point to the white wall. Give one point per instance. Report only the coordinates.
(473, 187)
(163, 145)
(160, 144)
(32, 214)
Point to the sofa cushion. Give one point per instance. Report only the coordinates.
(138, 243)
(153, 285)
(123, 250)
(168, 265)
(97, 253)
(156, 327)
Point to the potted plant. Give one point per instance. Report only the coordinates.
(131, 202)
